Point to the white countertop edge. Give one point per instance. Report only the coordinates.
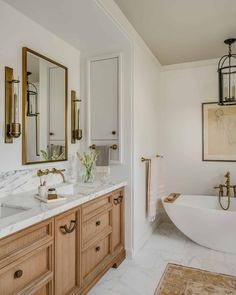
(19, 222)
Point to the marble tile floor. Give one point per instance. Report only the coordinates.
(141, 275)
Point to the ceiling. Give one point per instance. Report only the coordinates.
(179, 31)
(81, 23)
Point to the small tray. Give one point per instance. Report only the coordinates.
(59, 199)
(171, 198)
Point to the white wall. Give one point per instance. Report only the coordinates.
(147, 91)
(21, 31)
(185, 87)
(123, 170)
(142, 123)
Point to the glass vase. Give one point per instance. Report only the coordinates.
(89, 174)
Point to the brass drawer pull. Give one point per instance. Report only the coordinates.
(98, 248)
(67, 230)
(18, 274)
(98, 223)
(118, 200)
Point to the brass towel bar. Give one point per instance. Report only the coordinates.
(148, 159)
(114, 146)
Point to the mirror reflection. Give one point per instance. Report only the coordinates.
(45, 109)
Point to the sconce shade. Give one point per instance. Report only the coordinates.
(227, 76)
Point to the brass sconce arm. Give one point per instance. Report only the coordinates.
(12, 125)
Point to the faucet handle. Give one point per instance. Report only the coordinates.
(227, 175)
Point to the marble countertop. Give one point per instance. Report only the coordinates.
(36, 211)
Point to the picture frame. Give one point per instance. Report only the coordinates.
(218, 132)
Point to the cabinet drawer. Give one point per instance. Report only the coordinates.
(25, 241)
(95, 226)
(29, 269)
(94, 207)
(94, 255)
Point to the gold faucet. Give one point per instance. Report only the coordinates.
(53, 171)
(227, 185)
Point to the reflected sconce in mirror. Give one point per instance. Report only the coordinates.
(32, 98)
(76, 132)
(32, 108)
(12, 125)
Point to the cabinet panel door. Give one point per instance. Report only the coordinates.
(45, 290)
(104, 91)
(118, 220)
(67, 255)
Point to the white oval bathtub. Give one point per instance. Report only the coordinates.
(202, 220)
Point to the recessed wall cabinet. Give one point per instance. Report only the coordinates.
(67, 254)
(105, 103)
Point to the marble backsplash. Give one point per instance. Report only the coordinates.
(17, 181)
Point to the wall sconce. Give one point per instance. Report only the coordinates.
(227, 76)
(76, 132)
(12, 125)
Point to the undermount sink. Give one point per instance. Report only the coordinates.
(65, 189)
(79, 188)
(6, 211)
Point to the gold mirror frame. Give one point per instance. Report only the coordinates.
(25, 50)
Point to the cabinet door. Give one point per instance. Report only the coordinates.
(67, 252)
(104, 91)
(118, 220)
(45, 290)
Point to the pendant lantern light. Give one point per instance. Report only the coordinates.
(227, 76)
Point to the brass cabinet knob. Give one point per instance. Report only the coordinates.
(18, 274)
(116, 201)
(98, 223)
(98, 248)
(114, 146)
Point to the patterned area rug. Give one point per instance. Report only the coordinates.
(181, 280)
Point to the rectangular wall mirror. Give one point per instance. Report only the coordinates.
(44, 92)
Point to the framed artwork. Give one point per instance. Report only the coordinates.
(218, 132)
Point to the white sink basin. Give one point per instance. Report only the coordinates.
(65, 189)
(6, 211)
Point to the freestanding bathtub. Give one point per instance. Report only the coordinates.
(202, 220)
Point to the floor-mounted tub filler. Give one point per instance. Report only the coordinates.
(202, 219)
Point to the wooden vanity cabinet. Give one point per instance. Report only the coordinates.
(67, 252)
(117, 222)
(26, 261)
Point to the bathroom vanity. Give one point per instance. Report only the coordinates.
(64, 248)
